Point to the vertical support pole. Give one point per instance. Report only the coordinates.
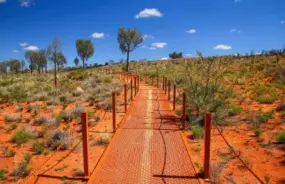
(125, 96)
(135, 80)
(85, 143)
(138, 82)
(168, 89)
(131, 89)
(174, 96)
(114, 111)
(208, 118)
(183, 118)
(157, 81)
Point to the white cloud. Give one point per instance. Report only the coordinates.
(152, 12)
(238, 1)
(23, 44)
(235, 31)
(3, 1)
(282, 21)
(257, 53)
(31, 48)
(164, 58)
(152, 48)
(191, 31)
(25, 3)
(98, 35)
(223, 47)
(148, 36)
(158, 44)
(189, 55)
(15, 51)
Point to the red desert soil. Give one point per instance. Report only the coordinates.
(71, 166)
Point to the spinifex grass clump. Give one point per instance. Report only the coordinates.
(21, 137)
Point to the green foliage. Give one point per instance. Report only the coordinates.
(78, 75)
(257, 132)
(41, 120)
(60, 138)
(265, 95)
(21, 137)
(38, 147)
(265, 116)
(85, 50)
(234, 110)
(22, 170)
(2, 174)
(66, 116)
(281, 137)
(198, 132)
(27, 157)
(8, 152)
(176, 55)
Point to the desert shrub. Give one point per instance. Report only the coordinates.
(234, 110)
(257, 132)
(19, 108)
(78, 92)
(60, 138)
(27, 157)
(18, 92)
(103, 140)
(65, 99)
(265, 95)
(41, 120)
(107, 79)
(280, 107)
(198, 132)
(78, 75)
(281, 137)
(52, 122)
(12, 118)
(21, 137)
(66, 116)
(216, 171)
(8, 152)
(38, 147)
(265, 116)
(22, 170)
(42, 132)
(277, 73)
(204, 89)
(78, 110)
(2, 174)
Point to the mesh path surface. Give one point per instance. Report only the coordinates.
(147, 147)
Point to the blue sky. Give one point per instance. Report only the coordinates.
(214, 27)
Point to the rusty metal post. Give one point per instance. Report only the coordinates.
(131, 89)
(169, 90)
(138, 82)
(135, 80)
(208, 119)
(183, 118)
(85, 143)
(174, 96)
(114, 110)
(163, 81)
(125, 96)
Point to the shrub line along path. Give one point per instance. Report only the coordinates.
(147, 146)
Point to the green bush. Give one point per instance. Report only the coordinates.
(40, 121)
(198, 132)
(22, 170)
(265, 95)
(265, 116)
(78, 75)
(234, 110)
(9, 152)
(66, 116)
(27, 157)
(38, 147)
(42, 133)
(281, 137)
(257, 132)
(2, 174)
(21, 137)
(60, 138)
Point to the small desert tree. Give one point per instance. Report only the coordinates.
(129, 39)
(55, 55)
(176, 55)
(76, 61)
(204, 89)
(85, 50)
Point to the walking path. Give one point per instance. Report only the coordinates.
(147, 147)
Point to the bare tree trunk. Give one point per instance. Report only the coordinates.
(83, 64)
(128, 57)
(55, 78)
